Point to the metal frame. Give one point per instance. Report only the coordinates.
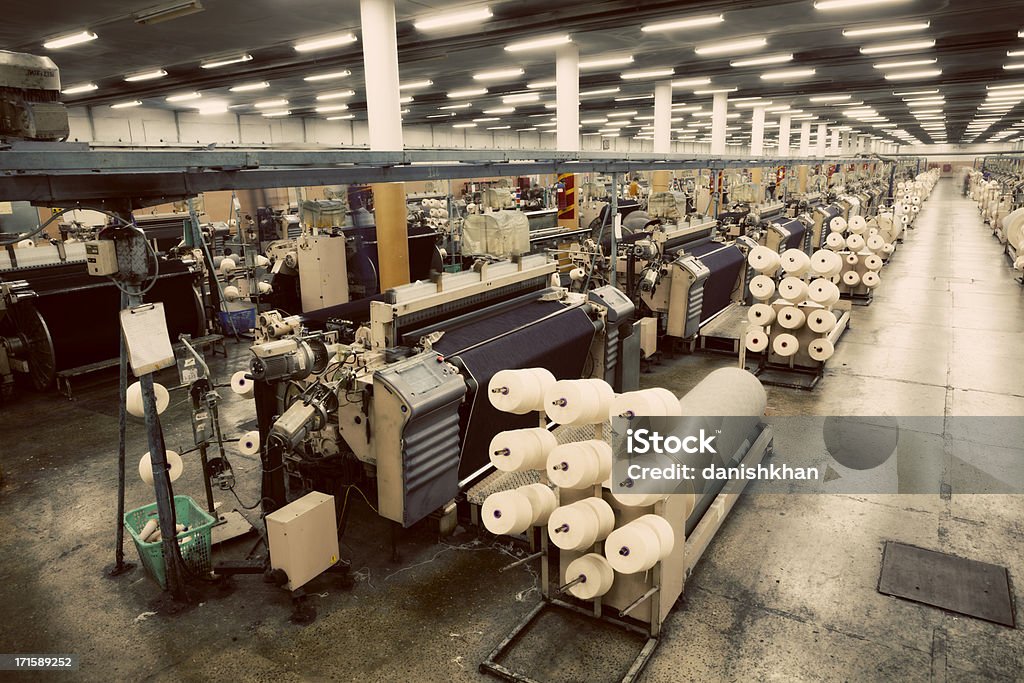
(72, 173)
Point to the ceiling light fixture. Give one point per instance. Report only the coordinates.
(77, 89)
(327, 96)
(248, 87)
(500, 110)
(498, 74)
(266, 104)
(146, 76)
(897, 47)
(538, 43)
(691, 22)
(882, 30)
(759, 61)
(830, 98)
(916, 92)
(342, 117)
(1012, 67)
(731, 46)
(331, 76)
(325, 43)
(537, 85)
(69, 40)
(600, 91)
(691, 82)
(520, 98)
(331, 107)
(630, 98)
(910, 75)
(442, 21)
(174, 10)
(224, 61)
(903, 65)
(464, 105)
(649, 73)
(787, 74)
(416, 85)
(273, 114)
(1011, 86)
(184, 97)
(125, 105)
(715, 91)
(463, 125)
(468, 92)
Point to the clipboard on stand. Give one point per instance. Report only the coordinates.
(146, 338)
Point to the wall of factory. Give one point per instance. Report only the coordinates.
(153, 126)
(950, 158)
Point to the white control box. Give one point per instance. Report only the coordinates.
(101, 256)
(303, 538)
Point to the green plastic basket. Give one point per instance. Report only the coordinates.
(195, 551)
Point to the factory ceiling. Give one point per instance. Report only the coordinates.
(956, 60)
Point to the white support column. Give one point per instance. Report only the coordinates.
(805, 139)
(719, 106)
(757, 133)
(662, 117)
(863, 144)
(785, 133)
(822, 147)
(837, 146)
(380, 63)
(567, 98)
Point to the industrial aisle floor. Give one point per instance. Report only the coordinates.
(786, 591)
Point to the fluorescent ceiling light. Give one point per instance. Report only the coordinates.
(1015, 53)
(331, 107)
(463, 125)
(266, 104)
(884, 125)
(758, 61)
(406, 100)
(715, 91)
(525, 130)
(325, 43)
(522, 97)
(600, 91)
(76, 89)
(498, 74)
(487, 119)
(538, 43)
(691, 22)
(248, 87)
(224, 61)
(498, 127)
(500, 110)
(184, 97)
(335, 95)
(443, 21)
(69, 40)
(897, 47)
(272, 114)
(416, 85)
(731, 47)
(125, 105)
(468, 92)
(330, 76)
(903, 65)
(464, 105)
(909, 75)
(923, 112)
(753, 105)
(915, 101)
(593, 121)
(441, 116)
(146, 76)
(1011, 86)
(881, 30)
(649, 73)
(342, 117)
(691, 82)
(786, 74)
(1011, 67)
(630, 98)
(174, 10)
(541, 84)
(831, 98)
(606, 61)
(779, 108)
(916, 92)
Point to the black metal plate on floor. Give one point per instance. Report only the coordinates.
(977, 589)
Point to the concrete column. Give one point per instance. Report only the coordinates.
(805, 139)
(662, 117)
(384, 112)
(785, 121)
(380, 62)
(822, 147)
(757, 133)
(567, 98)
(837, 147)
(719, 107)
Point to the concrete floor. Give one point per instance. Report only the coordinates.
(787, 590)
